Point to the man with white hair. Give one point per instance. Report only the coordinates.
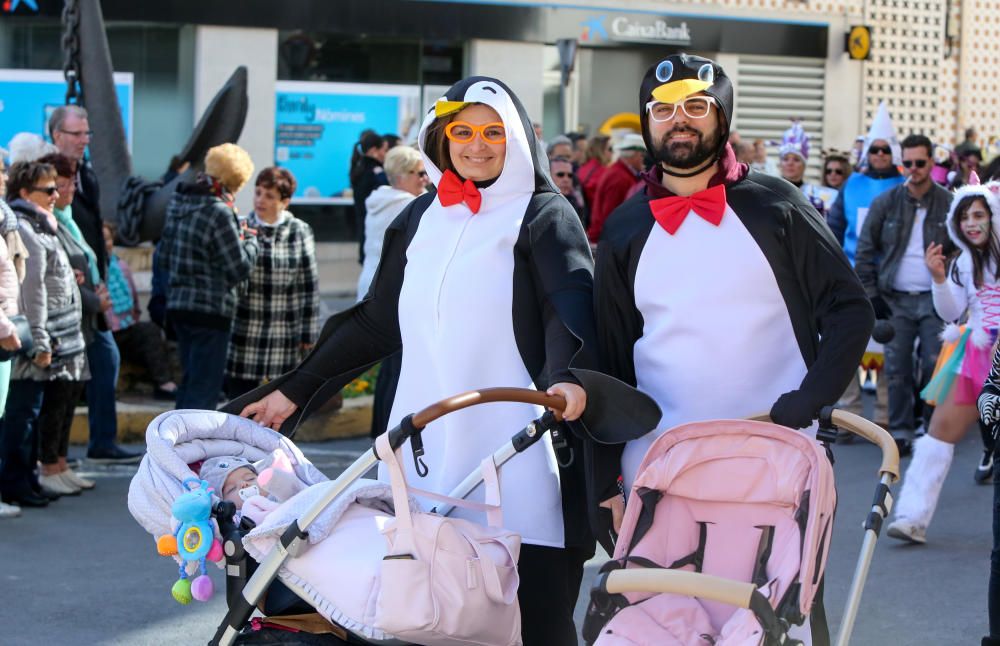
(616, 182)
(70, 132)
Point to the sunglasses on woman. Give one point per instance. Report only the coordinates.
(48, 190)
(563, 174)
(885, 150)
(910, 163)
(462, 132)
(835, 170)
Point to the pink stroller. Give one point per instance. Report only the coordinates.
(726, 535)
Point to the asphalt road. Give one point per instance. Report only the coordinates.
(83, 572)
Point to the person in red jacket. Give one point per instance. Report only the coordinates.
(616, 182)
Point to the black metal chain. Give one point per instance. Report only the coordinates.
(71, 52)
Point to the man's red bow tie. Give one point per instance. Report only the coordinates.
(670, 212)
(451, 191)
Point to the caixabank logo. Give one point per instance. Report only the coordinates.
(10, 6)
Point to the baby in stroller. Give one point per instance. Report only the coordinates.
(254, 488)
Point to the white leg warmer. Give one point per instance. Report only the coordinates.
(924, 479)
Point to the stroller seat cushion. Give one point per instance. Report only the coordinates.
(661, 620)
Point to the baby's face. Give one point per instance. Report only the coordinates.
(236, 481)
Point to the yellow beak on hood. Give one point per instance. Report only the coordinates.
(677, 90)
(443, 108)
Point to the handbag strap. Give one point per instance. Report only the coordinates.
(400, 489)
(491, 578)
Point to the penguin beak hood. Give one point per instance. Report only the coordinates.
(678, 90)
(525, 167)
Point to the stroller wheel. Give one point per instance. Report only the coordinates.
(270, 636)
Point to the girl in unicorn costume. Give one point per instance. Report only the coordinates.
(970, 284)
(794, 155)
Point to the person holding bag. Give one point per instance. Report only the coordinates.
(487, 282)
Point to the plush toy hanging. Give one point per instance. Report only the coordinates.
(194, 541)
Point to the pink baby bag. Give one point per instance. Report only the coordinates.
(745, 500)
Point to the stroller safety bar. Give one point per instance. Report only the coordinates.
(691, 584)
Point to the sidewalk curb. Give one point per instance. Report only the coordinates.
(353, 420)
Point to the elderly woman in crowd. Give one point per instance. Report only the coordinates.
(404, 168)
(11, 273)
(51, 301)
(61, 395)
(277, 317)
(206, 253)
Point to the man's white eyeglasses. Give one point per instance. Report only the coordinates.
(695, 107)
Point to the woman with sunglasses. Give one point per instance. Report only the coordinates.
(50, 299)
(277, 316)
(488, 282)
(836, 170)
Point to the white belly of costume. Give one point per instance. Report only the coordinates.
(455, 315)
(717, 340)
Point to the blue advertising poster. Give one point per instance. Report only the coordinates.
(28, 97)
(317, 125)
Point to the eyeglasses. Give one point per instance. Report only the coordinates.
(48, 190)
(695, 107)
(563, 174)
(885, 150)
(77, 133)
(919, 163)
(833, 170)
(462, 132)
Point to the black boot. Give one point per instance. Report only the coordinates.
(991, 641)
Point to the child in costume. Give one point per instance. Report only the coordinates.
(969, 284)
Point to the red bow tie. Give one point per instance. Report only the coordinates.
(670, 212)
(451, 191)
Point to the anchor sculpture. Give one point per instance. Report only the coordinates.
(136, 205)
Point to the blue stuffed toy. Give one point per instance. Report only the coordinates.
(194, 540)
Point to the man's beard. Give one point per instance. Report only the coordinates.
(687, 154)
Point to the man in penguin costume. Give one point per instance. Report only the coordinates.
(720, 291)
(487, 282)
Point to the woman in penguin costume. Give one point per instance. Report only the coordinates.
(720, 291)
(488, 282)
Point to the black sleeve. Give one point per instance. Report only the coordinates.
(564, 275)
(867, 254)
(836, 219)
(840, 307)
(89, 300)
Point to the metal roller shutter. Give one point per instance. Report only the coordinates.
(771, 91)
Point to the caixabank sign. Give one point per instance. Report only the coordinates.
(635, 29)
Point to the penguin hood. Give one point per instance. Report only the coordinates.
(992, 204)
(524, 170)
(679, 76)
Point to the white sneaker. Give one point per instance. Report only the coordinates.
(9, 511)
(908, 531)
(58, 485)
(74, 479)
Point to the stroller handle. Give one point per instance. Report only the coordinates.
(866, 429)
(486, 396)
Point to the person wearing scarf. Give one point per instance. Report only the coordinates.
(207, 253)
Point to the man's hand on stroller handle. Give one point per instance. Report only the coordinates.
(575, 396)
(271, 411)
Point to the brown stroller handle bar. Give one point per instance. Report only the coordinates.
(870, 431)
(691, 584)
(486, 396)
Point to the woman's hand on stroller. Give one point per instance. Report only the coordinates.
(271, 411)
(575, 396)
